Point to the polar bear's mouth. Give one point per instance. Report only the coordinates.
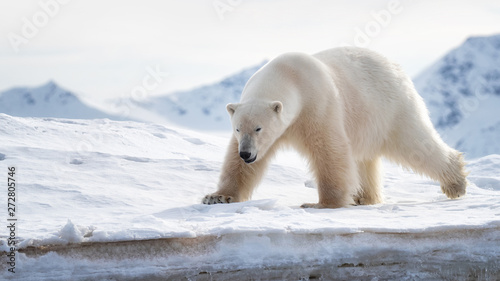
(247, 156)
(248, 161)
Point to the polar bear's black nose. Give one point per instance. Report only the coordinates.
(245, 155)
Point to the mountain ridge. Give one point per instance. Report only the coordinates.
(48, 100)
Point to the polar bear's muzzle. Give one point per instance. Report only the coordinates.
(247, 150)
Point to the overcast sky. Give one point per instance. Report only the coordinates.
(104, 49)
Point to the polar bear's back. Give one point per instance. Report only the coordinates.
(373, 76)
(377, 94)
(359, 75)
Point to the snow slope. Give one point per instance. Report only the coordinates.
(462, 92)
(48, 100)
(116, 200)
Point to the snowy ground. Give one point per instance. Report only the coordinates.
(120, 200)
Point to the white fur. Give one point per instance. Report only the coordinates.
(343, 109)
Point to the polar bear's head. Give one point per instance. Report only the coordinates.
(256, 126)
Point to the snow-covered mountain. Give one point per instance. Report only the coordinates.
(202, 108)
(462, 92)
(48, 100)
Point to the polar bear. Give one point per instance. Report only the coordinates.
(343, 109)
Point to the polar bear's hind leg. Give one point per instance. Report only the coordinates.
(370, 175)
(421, 149)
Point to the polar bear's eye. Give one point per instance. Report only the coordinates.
(258, 129)
(238, 130)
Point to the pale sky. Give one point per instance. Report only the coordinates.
(104, 49)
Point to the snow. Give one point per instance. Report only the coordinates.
(120, 200)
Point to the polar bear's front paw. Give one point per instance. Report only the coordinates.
(217, 199)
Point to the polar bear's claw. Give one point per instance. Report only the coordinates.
(359, 201)
(317, 206)
(454, 191)
(310, 205)
(321, 206)
(217, 199)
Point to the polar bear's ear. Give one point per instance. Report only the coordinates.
(231, 108)
(277, 106)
